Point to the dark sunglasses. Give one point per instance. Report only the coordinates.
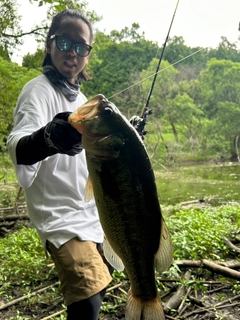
(65, 44)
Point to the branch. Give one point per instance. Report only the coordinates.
(231, 245)
(216, 306)
(15, 36)
(176, 299)
(222, 270)
(54, 315)
(198, 311)
(182, 307)
(14, 217)
(26, 296)
(188, 263)
(198, 263)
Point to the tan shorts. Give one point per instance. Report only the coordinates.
(80, 268)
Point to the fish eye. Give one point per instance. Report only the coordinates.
(108, 111)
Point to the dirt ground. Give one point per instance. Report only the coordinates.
(207, 296)
(197, 293)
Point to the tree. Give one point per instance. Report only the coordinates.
(177, 50)
(16, 78)
(114, 65)
(193, 59)
(225, 51)
(12, 35)
(164, 90)
(220, 95)
(184, 118)
(34, 61)
(127, 34)
(56, 6)
(220, 82)
(164, 87)
(10, 30)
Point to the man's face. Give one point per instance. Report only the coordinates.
(69, 63)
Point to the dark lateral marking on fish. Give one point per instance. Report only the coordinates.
(123, 199)
(108, 181)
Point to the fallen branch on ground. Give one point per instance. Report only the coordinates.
(227, 272)
(175, 300)
(6, 305)
(231, 245)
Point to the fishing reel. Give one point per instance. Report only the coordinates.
(139, 123)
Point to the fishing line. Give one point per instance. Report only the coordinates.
(135, 84)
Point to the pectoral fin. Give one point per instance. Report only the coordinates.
(111, 256)
(89, 190)
(164, 255)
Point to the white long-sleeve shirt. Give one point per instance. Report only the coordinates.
(54, 187)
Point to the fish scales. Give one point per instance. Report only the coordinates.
(126, 197)
(132, 222)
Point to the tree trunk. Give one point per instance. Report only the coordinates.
(174, 131)
(236, 142)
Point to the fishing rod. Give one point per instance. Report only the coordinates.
(139, 124)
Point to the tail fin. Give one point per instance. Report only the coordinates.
(137, 309)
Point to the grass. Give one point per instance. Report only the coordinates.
(198, 233)
(22, 259)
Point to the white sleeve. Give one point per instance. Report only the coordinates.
(25, 173)
(29, 116)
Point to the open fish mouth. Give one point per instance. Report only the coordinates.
(88, 110)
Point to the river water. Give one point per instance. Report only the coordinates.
(215, 183)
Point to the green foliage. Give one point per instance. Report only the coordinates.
(192, 60)
(165, 85)
(177, 50)
(197, 232)
(202, 114)
(219, 82)
(18, 317)
(22, 259)
(34, 61)
(114, 62)
(195, 103)
(184, 117)
(11, 32)
(225, 51)
(127, 34)
(118, 276)
(12, 79)
(9, 28)
(220, 97)
(60, 5)
(7, 174)
(8, 195)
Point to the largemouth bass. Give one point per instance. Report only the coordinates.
(123, 184)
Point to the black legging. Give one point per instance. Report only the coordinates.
(87, 309)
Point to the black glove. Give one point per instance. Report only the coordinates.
(139, 124)
(58, 136)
